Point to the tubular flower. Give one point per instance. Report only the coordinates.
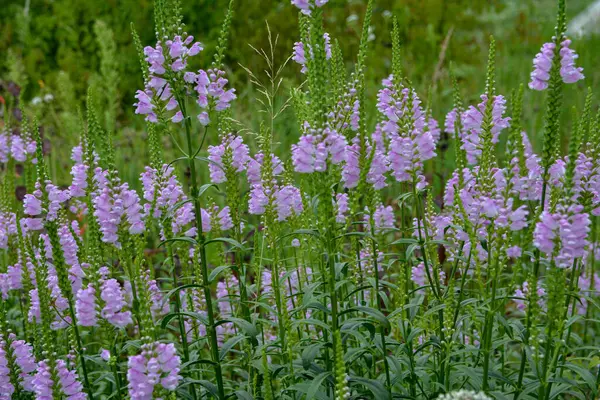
(224, 216)
(168, 69)
(319, 147)
(563, 234)
(19, 148)
(114, 206)
(42, 381)
(159, 306)
(351, 168)
(522, 293)
(157, 98)
(239, 157)
(380, 164)
(68, 381)
(288, 202)
(156, 365)
(569, 72)
(304, 154)
(6, 387)
(433, 127)
(383, 218)
(586, 182)
(542, 64)
(23, 353)
(210, 88)
(113, 296)
(8, 227)
(341, 207)
(527, 183)
(419, 275)
(85, 306)
(254, 168)
(39, 211)
(163, 193)
(79, 184)
(472, 120)
(403, 121)
(299, 54)
(450, 121)
(70, 248)
(258, 200)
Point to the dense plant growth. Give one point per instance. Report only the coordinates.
(329, 269)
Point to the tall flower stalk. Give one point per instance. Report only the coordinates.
(328, 268)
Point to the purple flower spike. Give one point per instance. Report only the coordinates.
(541, 67)
(568, 70)
(85, 306)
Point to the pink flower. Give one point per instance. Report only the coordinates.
(85, 306)
(568, 71)
(542, 65)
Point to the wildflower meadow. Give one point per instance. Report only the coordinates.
(391, 251)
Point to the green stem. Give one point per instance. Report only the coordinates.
(212, 332)
(433, 281)
(489, 323)
(86, 379)
(180, 322)
(529, 321)
(381, 329)
(573, 284)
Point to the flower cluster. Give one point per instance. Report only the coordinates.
(411, 143)
(464, 395)
(168, 78)
(305, 6)
(563, 234)
(156, 365)
(15, 146)
(299, 54)
(542, 64)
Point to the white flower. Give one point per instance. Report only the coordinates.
(464, 395)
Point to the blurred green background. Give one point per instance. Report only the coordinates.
(53, 47)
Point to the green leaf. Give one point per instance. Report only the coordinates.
(167, 318)
(404, 197)
(439, 242)
(205, 187)
(376, 314)
(351, 234)
(376, 387)
(183, 287)
(184, 239)
(212, 389)
(310, 352)
(318, 306)
(196, 362)
(405, 241)
(310, 232)
(247, 327)
(230, 344)
(304, 387)
(243, 395)
(585, 374)
(232, 242)
(215, 272)
(311, 322)
(316, 384)
(475, 378)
